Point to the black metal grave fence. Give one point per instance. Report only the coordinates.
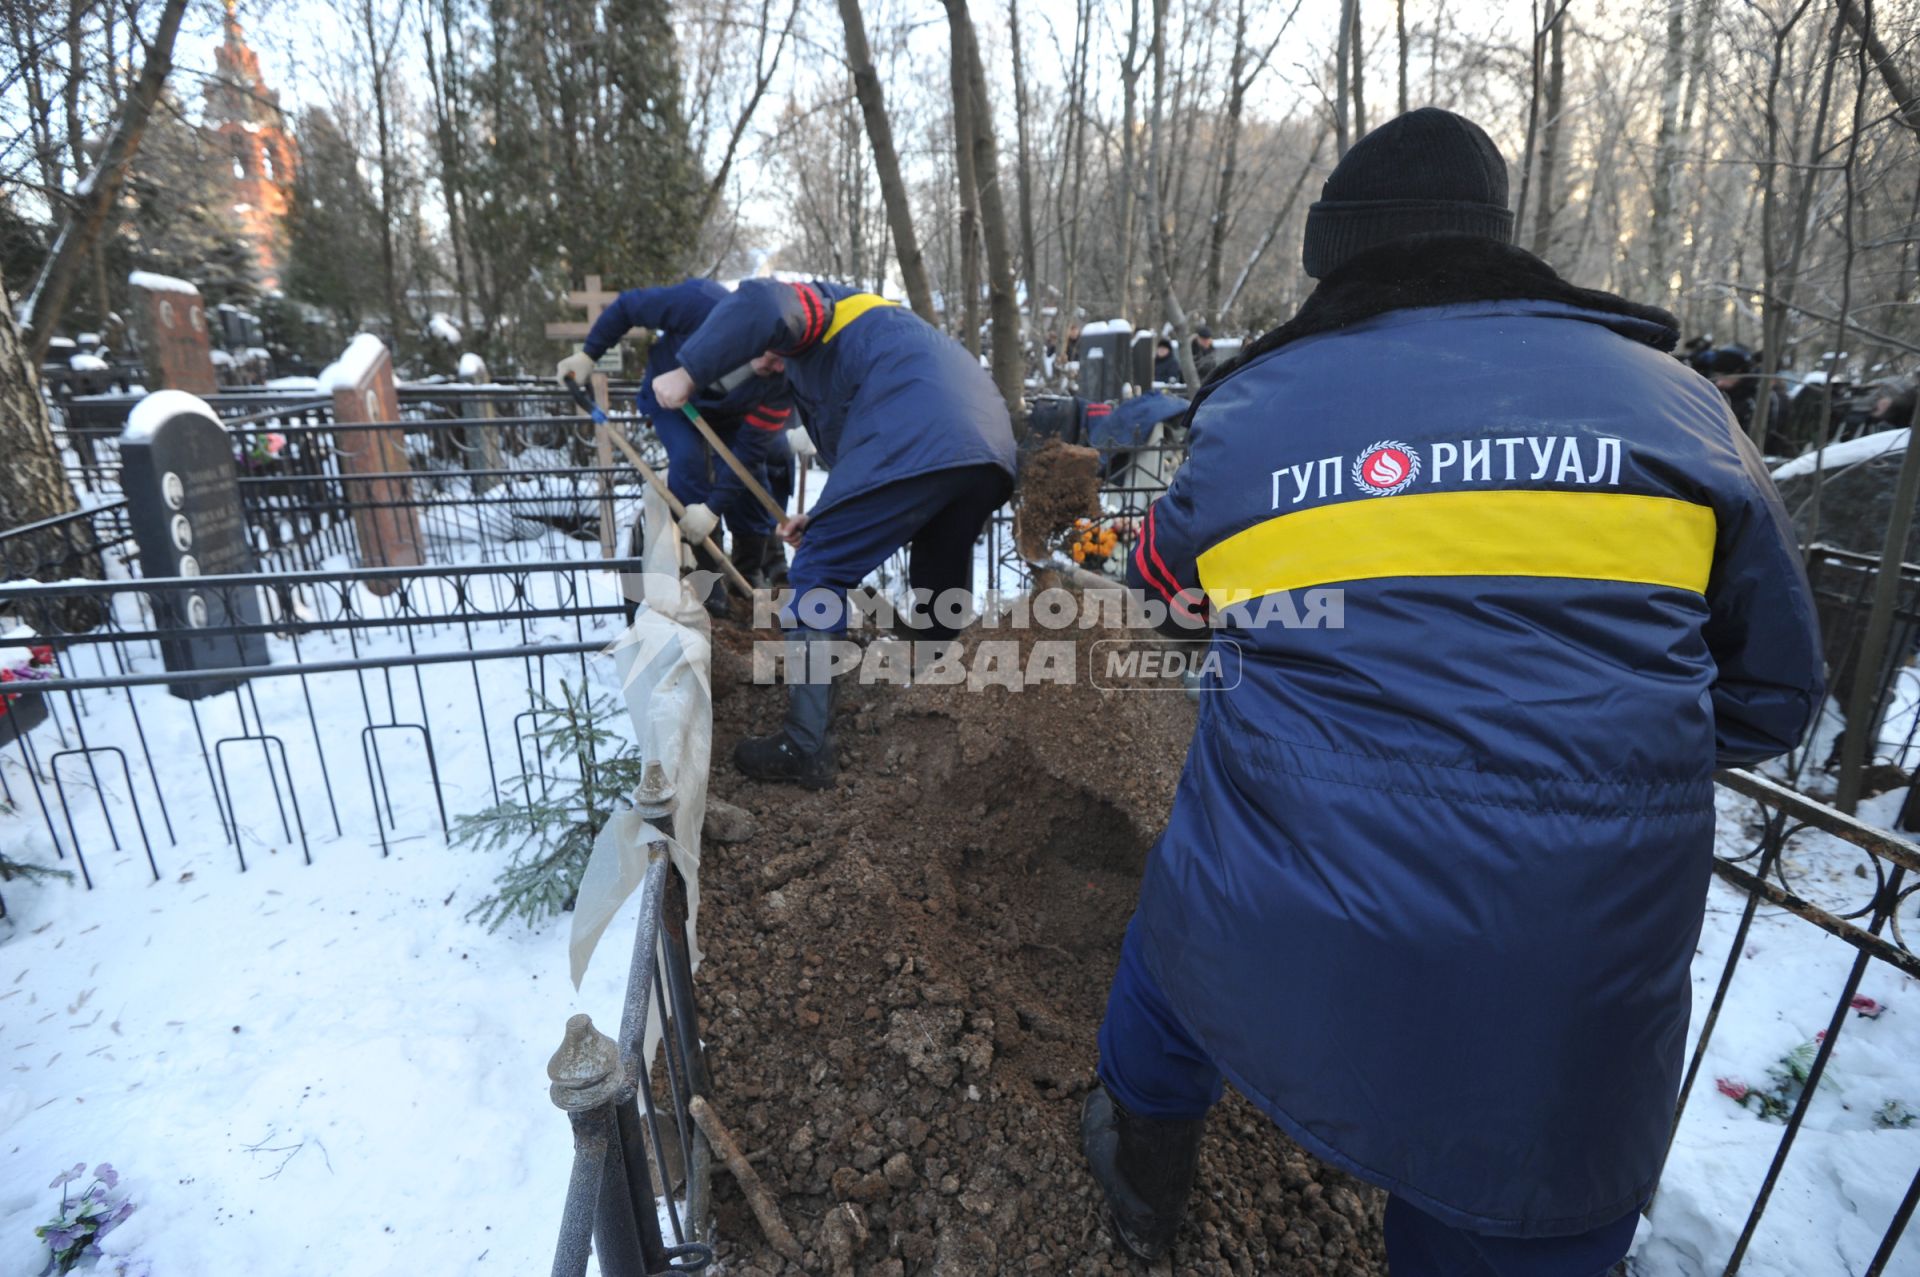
(1875, 923)
(623, 1160)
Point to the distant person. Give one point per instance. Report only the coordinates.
(1432, 881)
(1204, 360)
(749, 407)
(920, 450)
(1166, 364)
(1893, 404)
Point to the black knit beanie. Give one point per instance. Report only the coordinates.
(1428, 170)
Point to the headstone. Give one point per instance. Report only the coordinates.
(482, 442)
(1142, 374)
(1103, 359)
(183, 503)
(172, 323)
(385, 523)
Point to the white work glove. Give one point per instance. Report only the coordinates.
(801, 442)
(578, 365)
(698, 523)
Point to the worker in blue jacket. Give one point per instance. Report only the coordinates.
(920, 453)
(749, 407)
(1438, 860)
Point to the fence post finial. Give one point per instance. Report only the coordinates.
(585, 1071)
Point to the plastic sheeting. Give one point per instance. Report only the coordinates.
(665, 660)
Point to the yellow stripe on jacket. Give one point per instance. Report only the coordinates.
(1596, 536)
(848, 309)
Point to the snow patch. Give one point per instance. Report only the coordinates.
(472, 366)
(293, 383)
(221, 359)
(1852, 452)
(353, 367)
(160, 283)
(160, 407)
(1104, 327)
(443, 329)
(83, 362)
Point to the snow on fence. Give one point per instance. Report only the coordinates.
(438, 669)
(433, 686)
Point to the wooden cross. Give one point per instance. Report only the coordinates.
(593, 299)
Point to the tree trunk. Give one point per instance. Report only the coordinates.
(1159, 240)
(1129, 161)
(47, 301)
(1342, 58)
(1665, 161)
(33, 483)
(886, 159)
(377, 66)
(1024, 156)
(1906, 99)
(442, 78)
(1357, 55)
(1273, 229)
(962, 83)
(1400, 25)
(1077, 148)
(1223, 192)
(1548, 197)
(1009, 361)
(1780, 277)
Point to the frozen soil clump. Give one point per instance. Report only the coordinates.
(904, 976)
(1058, 484)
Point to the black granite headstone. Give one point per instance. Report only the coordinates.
(183, 503)
(1142, 353)
(1104, 356)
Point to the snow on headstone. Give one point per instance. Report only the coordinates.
(183, 503)
(385, 524)
(1103, 355)
(172, 322)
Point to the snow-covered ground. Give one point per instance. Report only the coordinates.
(300, 1069)
(1847, 1172)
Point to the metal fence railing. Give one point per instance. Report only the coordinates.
(1871, 924)
(627, 1155)
(417, 666)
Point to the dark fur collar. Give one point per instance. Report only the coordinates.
(1442, 270)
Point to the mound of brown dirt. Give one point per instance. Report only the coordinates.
(903, 980)
(1058, 484)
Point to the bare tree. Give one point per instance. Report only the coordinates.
(1009, 362)
(1548, 201)
(886, 159)
(92, 207)
(33, 484)
(1242, 71)
(1665, 160)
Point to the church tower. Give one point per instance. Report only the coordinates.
(244, 114)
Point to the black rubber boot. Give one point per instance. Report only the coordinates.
(1145, 1166)
(773, 562)
(801, 752)
(716, 600)
(749, 555)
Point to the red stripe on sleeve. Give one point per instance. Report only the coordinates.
(1178, 598)
(1141, 561)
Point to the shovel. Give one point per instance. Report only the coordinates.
(593, 410)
